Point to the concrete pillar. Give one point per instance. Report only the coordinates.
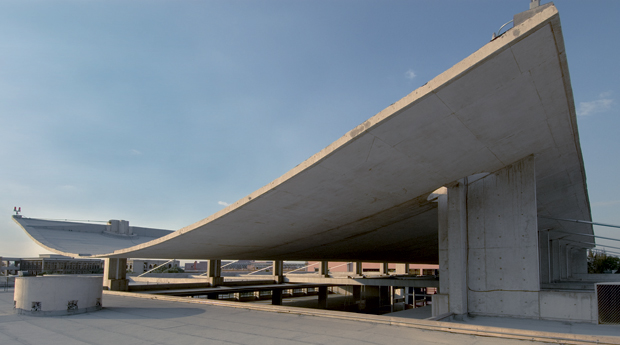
(384, 295)
(544, 248)
(357, 268)
(115, 274)
(502, 227)
(383, 268)
(555, 261)
(278, 271)
(488, 245)
(402, 268)
(452, 232)
(276, 297)
(356, 291)
(324, 269)
(2, 265)
(323, 293)
(214, 272)
(579, 261)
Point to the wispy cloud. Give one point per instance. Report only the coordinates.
(602, 104)
(410, 74)
(223, 203)
(135, 152)
(606, 203)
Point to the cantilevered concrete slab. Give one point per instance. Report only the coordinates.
(364, 197)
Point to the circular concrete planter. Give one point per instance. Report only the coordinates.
(57, 295)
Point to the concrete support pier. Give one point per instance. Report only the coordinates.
(276, 297)
(115, 274)
(383, 268)
(324, 269)
(402, 268)
(488, 245)
(278, 271)
(357, 268)
(214, 272)
(323, 293)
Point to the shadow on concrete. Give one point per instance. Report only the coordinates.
(134, 313)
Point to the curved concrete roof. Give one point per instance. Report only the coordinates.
(364, 197)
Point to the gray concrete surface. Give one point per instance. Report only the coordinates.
(127, 320)
(364, 197)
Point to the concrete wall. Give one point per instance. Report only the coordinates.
(57, 295)
(566, 305)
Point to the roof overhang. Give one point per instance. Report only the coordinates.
(364, 197)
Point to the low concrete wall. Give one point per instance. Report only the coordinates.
(57, 295)
(169, 280)
(574, 306)
(596, 278)
(568, 306)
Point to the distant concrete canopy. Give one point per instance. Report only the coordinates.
(498, 130)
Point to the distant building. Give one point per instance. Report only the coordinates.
(367, 267)
(50, 264)
(140, 266)
(241, 265)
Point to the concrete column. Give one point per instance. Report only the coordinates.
(278, 271)
(457, 247)
(402, 268)
(555, 261)
(503, 260)
(323, 293)
(214, 272)
(488, 245)
(357, 268)
(356, 291)
(579, 261)
(115, 274)
(383, 268)
(2, 265)
(324, 269)
(441, 302)
(276, 297)
(544, 248)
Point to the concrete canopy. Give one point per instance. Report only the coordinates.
(364, 197)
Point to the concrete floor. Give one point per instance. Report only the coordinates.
(127, 320)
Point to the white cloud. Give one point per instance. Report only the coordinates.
(410, 74)
(598, 106)
(223, 203)
(135, 152)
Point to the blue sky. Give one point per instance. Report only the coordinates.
(161, 112)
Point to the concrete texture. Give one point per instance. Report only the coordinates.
(127, 320)
(167, 320)
(57, 295)
(364, 197)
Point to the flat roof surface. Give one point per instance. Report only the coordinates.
(127, 320)
(364, 197)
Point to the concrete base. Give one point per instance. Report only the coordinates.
(57, 295)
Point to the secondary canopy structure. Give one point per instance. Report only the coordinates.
(365, 197)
